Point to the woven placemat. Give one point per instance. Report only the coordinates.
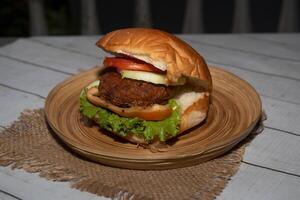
(29, 144)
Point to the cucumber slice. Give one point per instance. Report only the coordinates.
(145, 76)
(93, 84)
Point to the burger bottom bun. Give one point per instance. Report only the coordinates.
(195, 112)
(195, 108)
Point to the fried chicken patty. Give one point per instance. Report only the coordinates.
(126, 93)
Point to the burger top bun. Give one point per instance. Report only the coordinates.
(161, 49)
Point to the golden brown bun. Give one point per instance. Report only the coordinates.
(161, 49)
(195, 113)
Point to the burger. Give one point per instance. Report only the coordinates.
(153, 87)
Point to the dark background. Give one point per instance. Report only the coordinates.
(63, 16)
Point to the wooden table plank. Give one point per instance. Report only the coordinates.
(257, 183)
(28, 186)
(239, 59)
(79, 44)
(47, 56)
(27, 77)
(275, 150)
(282, 115)
(270, 86)
(247, 44)
(288, 40)
(277, 45)
(14, 102)
(6, 196)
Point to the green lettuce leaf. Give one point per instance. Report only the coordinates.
(149, 130)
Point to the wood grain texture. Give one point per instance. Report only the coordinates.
(275, 150)
(282, 115)
(235, 109)
(251, 182)
(29, 186)
(6, 196)
(78, 44)
(14, 102)
(278, 88)
(48, 56)
(288, 40)
(250, 60)
(248, 44)
(27, 77)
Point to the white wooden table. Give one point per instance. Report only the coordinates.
(30, 67)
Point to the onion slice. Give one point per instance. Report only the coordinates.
(145, 76)
(150, 77)
(155, 112)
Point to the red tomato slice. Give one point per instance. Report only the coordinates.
(129, 63)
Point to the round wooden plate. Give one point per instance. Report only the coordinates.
(235, 109)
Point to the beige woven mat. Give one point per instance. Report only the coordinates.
(28, 144)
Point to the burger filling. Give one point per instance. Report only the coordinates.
(124, 92)
(147, 129)
(127, 93)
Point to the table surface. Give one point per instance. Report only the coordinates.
(31, 67)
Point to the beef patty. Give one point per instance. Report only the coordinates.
(126, 93)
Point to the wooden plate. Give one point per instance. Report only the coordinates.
(235, 109)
